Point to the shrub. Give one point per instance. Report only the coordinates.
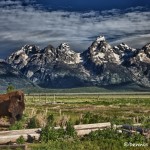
(49, 133)
(33, 123)
(17, 126)
(136, 138)
(70, 131)
(104, 134)
(50, 119)
(20, 140)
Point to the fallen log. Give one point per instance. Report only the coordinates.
(93, 126)
(85, 132)
(13, 138)
(16, 132)
(86, 129)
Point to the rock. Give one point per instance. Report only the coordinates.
(99, 65)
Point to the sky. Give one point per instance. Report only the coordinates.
(87, 5)
(78, 23)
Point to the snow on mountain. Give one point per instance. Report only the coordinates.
(99, 65)
(10, 75)
(20, 58)
(101, 52)
(146, 49)
(66, 55)
(124, 50)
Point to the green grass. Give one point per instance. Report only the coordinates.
(91, 89)
(118, 109)
(99, 140)
(69, 90)
(89, 108)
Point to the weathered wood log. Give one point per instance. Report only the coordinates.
(16, 132)
(120, 126)
(86, 129)
(13, 135)
(85, 132)
(13, 138)
(93, 126)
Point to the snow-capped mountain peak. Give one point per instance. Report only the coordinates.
(101, 52)
(65, 48)
(146, 49)
(100, 39)
(66, 55)
(65, 45)
(100, 64)
(123, 48)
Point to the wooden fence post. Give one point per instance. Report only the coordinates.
(46, 98)
(54, 98)
(33, 99)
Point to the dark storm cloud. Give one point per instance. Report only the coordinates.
(26, 25)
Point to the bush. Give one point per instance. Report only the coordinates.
(104, 134)
(17, 126)
(50, 134)
(70, 131)
(112, 139)
(50, 119)
(33, 123)
(137, 138)
(20, 140)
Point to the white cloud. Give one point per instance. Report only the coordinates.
(20, 25)
(135, 41)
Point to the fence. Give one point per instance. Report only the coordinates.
(16, 146)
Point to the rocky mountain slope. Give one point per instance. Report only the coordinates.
(100, 65)
(9, 75)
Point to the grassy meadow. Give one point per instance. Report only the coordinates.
(43, 110)
(81, 108)
(115, 108)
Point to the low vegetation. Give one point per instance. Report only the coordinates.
(108, 139)
(47, 112)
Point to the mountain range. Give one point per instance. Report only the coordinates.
(10, 75)
(100, 65)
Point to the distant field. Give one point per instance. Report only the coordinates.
(92, 89)
(112, 107)
(126, 88)
(86, 97)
